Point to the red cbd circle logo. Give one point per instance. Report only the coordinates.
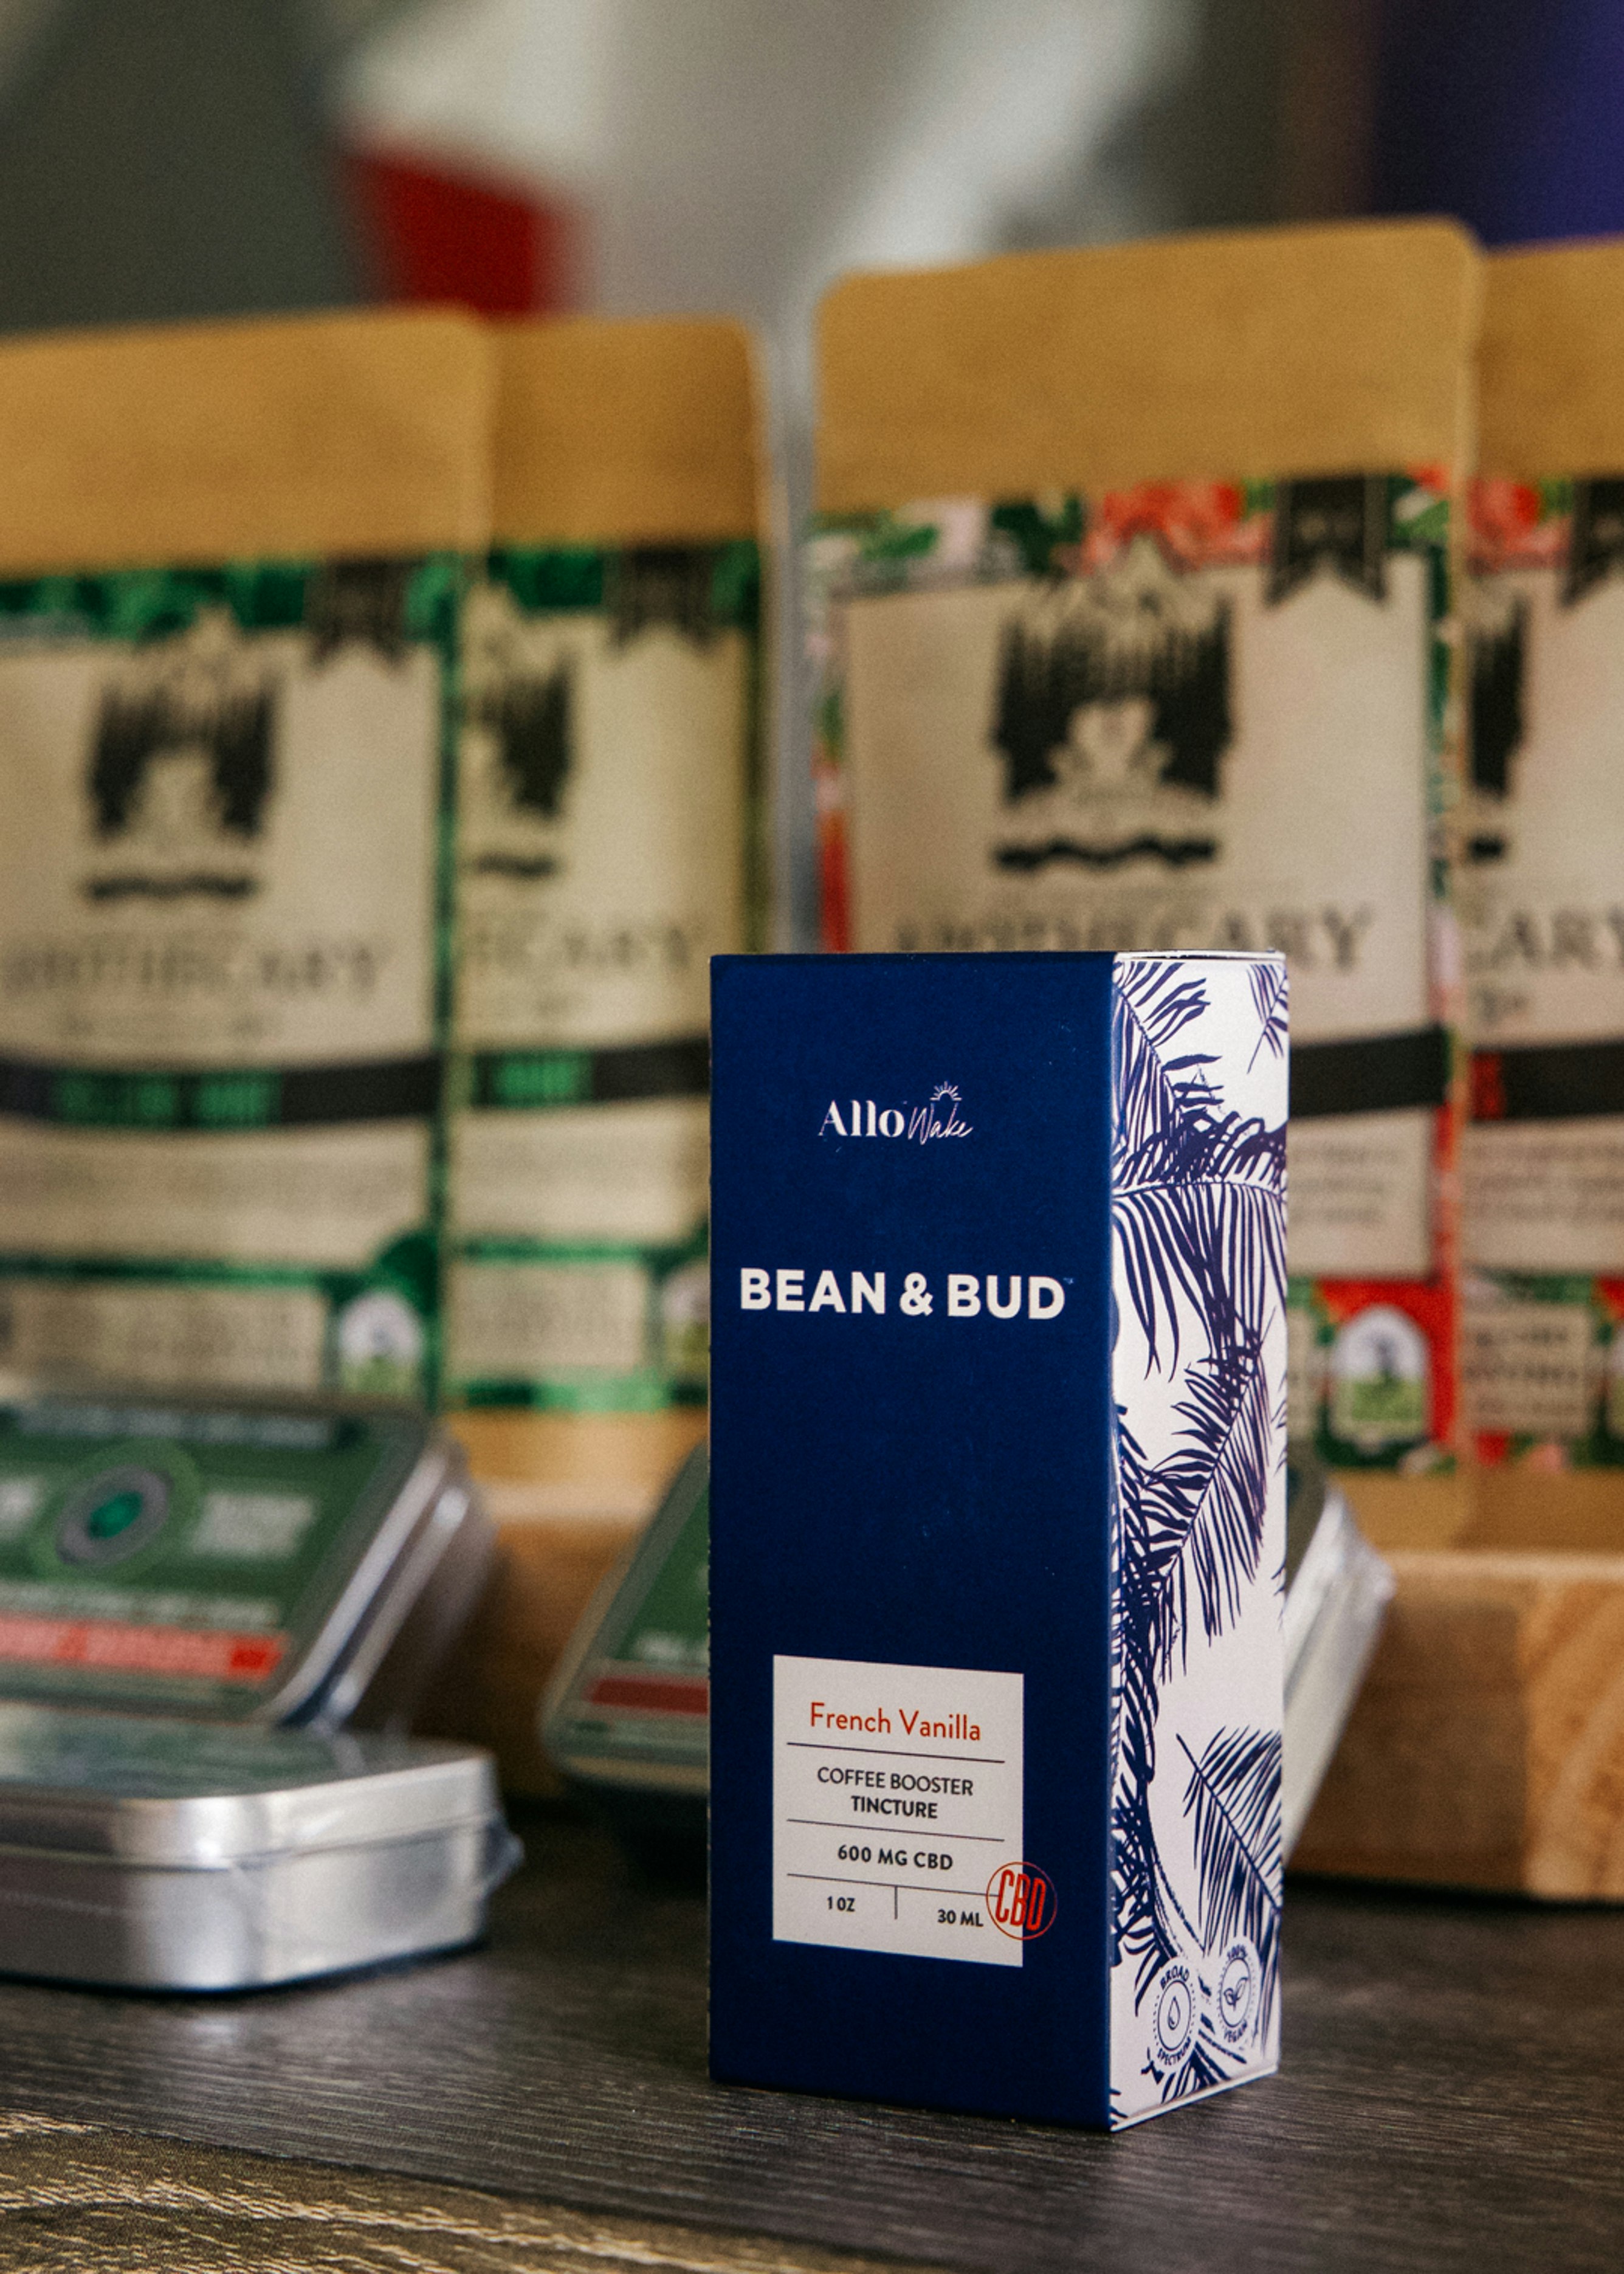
(1020, 1902)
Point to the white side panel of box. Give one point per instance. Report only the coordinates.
(1199, 1381)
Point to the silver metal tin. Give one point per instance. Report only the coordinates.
(405, 1606)
(628, 1707)
(143, 1852)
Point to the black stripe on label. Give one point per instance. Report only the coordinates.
(1551, 1082)
(218, 1098)
(1379, 1073)
(532, 1080)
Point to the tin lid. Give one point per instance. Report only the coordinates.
(136, 1789)
(214, 1557)
(630, 1703)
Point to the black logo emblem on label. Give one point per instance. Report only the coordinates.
(179, 776)
(1112, 715)
(1338, 523)
(1496, 651)
(530, 718)
(669, 584)
(1595, 539)
(358, 600)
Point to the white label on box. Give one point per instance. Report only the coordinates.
(1316, 812)
(1541, 920)
(1541, 917)
(527, 1319)
(600, 870)
(633, 1171)
(1361, 1186)
(1303, 825)
(897, 1811)
(149, 918)
(1546, 1195)
(1529, 1367)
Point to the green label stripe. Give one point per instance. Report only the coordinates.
(529, 1080)
(647, 1390)
(257, 1097)
(696, 587)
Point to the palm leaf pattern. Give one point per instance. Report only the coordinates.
(1199, 1212)
(1234, 1795)
(1199, 1193)
(1269, 996)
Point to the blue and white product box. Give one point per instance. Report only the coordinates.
(997, 1517)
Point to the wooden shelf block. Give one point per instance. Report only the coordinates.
(1487, 1747)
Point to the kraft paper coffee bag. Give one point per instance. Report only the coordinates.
(230, 589)
(1132, 591)
(1541, 911)
(610, 841)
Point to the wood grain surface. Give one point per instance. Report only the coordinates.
(1487, 1746)
(1452, 2095)
(76, 2199)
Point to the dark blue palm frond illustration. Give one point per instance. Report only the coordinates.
(1194, 1522)
(1269, 996)
(1154, 1003)
(1199, 1209)
(1199, 1195)
(1146, 1914)
(1204, 1506)
(1163, 994)
(1142, 1932)
(1200, 1222)
(1234, 1794)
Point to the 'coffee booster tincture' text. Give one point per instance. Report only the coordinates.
(997, 1525)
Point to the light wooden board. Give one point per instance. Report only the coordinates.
(1486, 1748)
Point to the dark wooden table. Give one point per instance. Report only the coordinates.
(1452, 2095)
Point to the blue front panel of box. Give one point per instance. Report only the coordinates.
(923, 1489)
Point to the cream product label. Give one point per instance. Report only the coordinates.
(221, 969)
(897, 1811)
(1187, 717)
(607, 830)
(1542, 921)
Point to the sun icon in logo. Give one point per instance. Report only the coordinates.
(945, 1089)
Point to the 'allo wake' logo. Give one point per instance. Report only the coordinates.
(860, 1117)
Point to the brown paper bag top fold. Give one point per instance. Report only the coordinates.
(352, 434)
(1552, 361)
(1266, 352)
(616, 432)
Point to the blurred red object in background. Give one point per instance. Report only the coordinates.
(433, 234)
